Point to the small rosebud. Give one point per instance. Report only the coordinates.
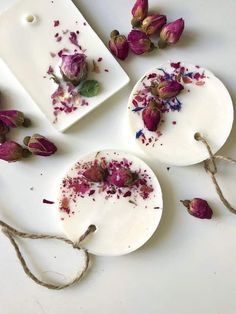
(139, 42)
(74, 68)
(171, 33)
(139, 11)
(151, 116)
(169, 89)
(11, 151)
(12, 118)
(118, 45)
(122, 177)
(153, 23)
(95, 173)
(198, 208)
(40, 145)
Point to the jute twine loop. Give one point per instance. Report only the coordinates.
(211, 169)
(12, 233)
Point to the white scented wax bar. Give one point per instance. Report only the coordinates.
(35, 35)
(124, 202)
(203, 106)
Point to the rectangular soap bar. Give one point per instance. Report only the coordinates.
(34, 35)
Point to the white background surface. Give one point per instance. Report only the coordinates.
(189, 265)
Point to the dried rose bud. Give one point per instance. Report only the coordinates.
(153, 23)
(11, 151)
(40, 145)
(74, 68)
(139, 12)
(12, 118)
(198, 208)
(171, 33)
(169, 89)
(95, 173)
(118, 45)
(122, 177)
(151, 116)
(139, 42)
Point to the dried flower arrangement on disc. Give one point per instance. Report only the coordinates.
(116, 192)
(173, 102)
(72, 72)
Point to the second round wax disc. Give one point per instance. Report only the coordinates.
(204, 106)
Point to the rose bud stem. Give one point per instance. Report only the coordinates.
(2, 139)
(114, 33)
(162, 44)
(27, 123)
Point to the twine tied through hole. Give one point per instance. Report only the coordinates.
(211, 168)
(12, 233)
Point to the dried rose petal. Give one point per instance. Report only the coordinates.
(74, 68)
(95, 173)
(12, 118)
(151, 116)
(118, 45)
(169, 89)
(11, 151)
(139, 11)
(153, 23)
(40, 145)
(122, 177)
(199, 208)
(139, 42)
(171, 33)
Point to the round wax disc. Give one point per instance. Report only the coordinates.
(125, 202)
(204, 106)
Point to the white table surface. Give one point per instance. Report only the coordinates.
(189, 265)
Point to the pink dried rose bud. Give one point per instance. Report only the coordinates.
(122, 177)
(171, 33)
(12, 118)
(40, 145)
(11, 151)
(151, 116)
(153, 23)
(139, 12)
(198, 208)
(169, 89)
(139, 42)
(74, 68)
(95, 173)
(118, 45)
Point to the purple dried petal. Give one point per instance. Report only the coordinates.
(95, 173)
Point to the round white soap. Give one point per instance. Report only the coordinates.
(204, 106)
(125, 215)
